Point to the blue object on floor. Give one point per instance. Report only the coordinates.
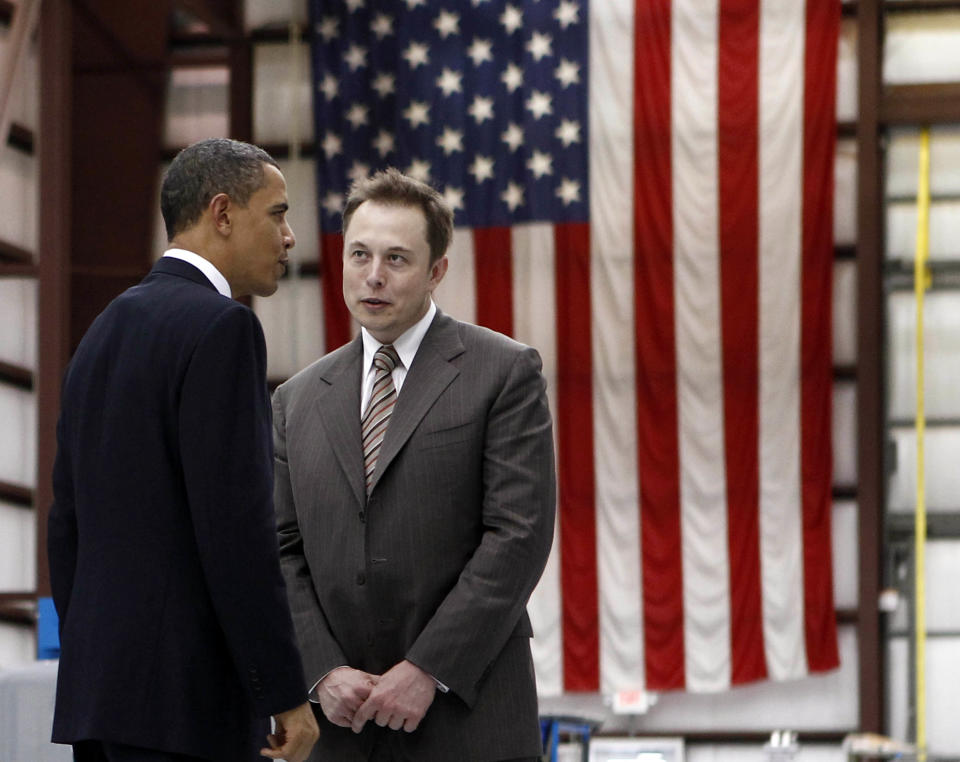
(552, 726)
(48, 630)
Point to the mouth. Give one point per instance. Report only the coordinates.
(373, 302)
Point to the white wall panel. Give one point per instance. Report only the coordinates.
(845, 313)
(18, 646)
(302, 193)
(744, 753)
(903, 157)
(941, 448)
(844, 433)
(282, 105)
(921, 47)
(198, 105)
(941, 319)
(18, 199)
(18, 317)
(898, 688)
(846, 570)
(18, 548)
(845, 193)
(943, 667)
(24, 95)
(944, 229)
(293, 324)
(943, 592)
(847, 90)
(258, 13)
(18, 440)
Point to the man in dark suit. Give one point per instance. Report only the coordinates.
(176, 638)
(415, 494)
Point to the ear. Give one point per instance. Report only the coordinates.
(437, 270)
(220, 213)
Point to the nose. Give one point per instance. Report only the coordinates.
(375, 273)
(289, 239)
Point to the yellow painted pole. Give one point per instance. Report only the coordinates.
(921, 281)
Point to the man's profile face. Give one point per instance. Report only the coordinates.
(387, 276)
(260, 238)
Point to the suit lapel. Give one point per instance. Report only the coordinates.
(425, 381)
(338, 404)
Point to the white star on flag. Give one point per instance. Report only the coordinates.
(480, 50)
(382, 25)
(539, 46)
(481, 169)
(417, 113)
(540, 104)
(329, 86)
(411, 4)
(356, 57)
(451, 140)
(481, 109)
(566, 13)
(357, 115)
(328, 27)
(540, 164)
(511, 18)
(450, 82)
(419, 170)
(355, 5)
(332, 145)
(512, 77)
(453, 197)
(512, 196)
(568, 72)
(447, 23)
(358, 171)
(384, 143)
(417, 54)
(513, 136)
(384, 84)
(333, 202)
(568, 191)
(568, 132)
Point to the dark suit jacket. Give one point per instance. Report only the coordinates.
(437, 565)
(175, 631)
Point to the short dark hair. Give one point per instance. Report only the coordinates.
(204, 169)
(391, 186)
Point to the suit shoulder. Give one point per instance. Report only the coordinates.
(477, 336)
(317, 369)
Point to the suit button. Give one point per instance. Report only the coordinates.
(363, 516)
(361, 578)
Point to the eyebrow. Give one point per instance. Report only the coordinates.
(362, 245)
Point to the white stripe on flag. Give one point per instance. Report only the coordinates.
(614, 365)
(706, 579)
(457, 293)
(781, 177)
(534, 323)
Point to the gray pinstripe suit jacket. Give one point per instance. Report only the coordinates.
(437, 565)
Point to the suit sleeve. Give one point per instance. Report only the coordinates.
(319, 648)
(472, 624)
(227, 455)
(62, 531)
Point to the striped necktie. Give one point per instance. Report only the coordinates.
(373, 425)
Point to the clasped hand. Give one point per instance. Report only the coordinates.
(398, 699)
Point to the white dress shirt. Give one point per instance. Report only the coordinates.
(205, 266)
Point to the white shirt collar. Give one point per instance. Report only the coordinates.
(406, 344)
(205, 266)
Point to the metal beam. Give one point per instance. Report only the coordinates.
(934, 103)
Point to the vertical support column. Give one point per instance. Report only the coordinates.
(53, 302)
(871, 415)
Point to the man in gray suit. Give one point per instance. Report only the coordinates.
(415, 493)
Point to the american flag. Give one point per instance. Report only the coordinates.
(643, 191)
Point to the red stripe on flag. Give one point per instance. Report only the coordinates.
(493, 252)
(657, 435)
(336, 316)
(819, 139)
(738, 140)
(575, 469)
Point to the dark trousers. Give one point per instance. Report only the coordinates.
(107, 751)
